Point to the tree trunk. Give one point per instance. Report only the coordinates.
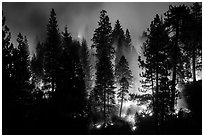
(173, 86)
(53, 84)
(121, 106)
(193, 62)
(108, 103)
(157, 89)
(104, 106)
(53, 71)
(152, 91)
(162, 108)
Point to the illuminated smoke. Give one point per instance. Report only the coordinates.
(181, 101)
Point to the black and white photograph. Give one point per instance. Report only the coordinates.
(101, 68)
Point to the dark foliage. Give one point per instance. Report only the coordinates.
(102, 41)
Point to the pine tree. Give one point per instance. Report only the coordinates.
(146, 63)
(118, 33)
(62, 96)
(65, 59)
(52, 51)
(22, 66)
(104, 52)
(175, 16)
(191, 37)
(155, 65)
(84, 52)
(118, 40)
(128, 38)
(7, 63)
(123, 70)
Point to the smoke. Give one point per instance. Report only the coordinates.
(31, 19)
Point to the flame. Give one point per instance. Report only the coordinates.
(98, 126)
(134, 128)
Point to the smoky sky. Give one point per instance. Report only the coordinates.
(81, 18)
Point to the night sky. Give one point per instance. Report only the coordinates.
(81, 18)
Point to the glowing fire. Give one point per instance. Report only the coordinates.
(98, 126)
(134, 128)
(131, 119)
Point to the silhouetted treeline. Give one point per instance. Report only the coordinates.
(52, 92)
(49, 88)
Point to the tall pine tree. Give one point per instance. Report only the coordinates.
(124, 78)
(174, 18)
(156, 66)
(85, 59)
(102, 41)
(52, 51)
(64, 73)
(191, 37)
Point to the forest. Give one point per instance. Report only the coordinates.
(58, 91)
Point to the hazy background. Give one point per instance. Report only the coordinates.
(81, 18)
